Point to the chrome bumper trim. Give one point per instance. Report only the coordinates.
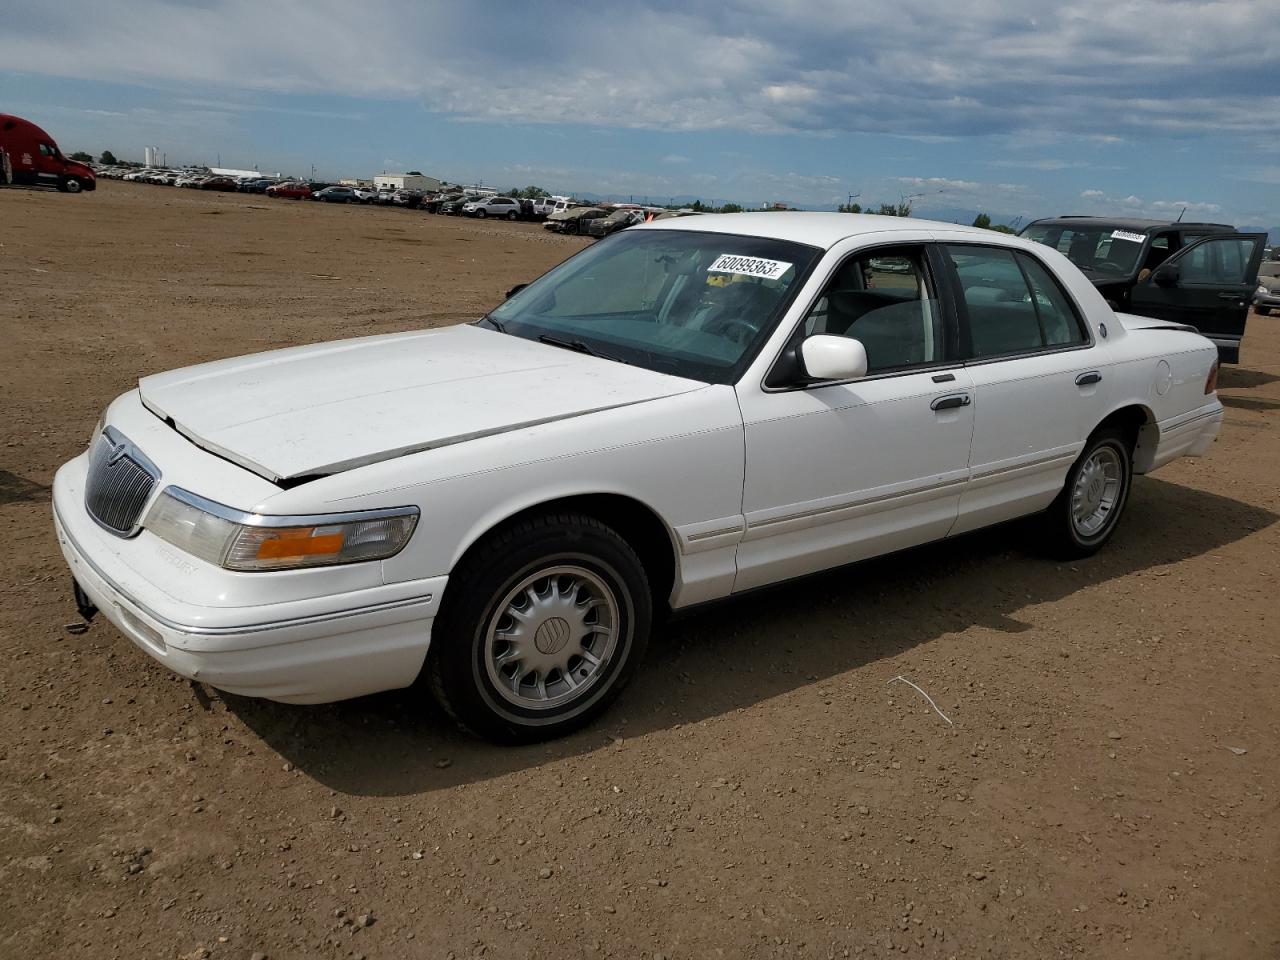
(237, 630)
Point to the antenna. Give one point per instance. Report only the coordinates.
(1179, 220)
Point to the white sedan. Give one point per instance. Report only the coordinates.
(686, 410)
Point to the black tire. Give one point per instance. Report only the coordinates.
(70, 185)
(1263, 311)
(481, 213)
(1063, 536)
(459, 668)
(511, 215)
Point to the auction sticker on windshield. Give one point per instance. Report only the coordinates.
(1126, 235)
(749, 266)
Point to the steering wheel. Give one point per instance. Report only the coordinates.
(739, 331)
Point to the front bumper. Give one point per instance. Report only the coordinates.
(313, 650)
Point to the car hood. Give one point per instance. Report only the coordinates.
(326, 408)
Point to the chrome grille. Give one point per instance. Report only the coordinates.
(119, 484)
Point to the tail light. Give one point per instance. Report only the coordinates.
(1211, 381)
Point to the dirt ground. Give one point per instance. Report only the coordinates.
(1109, 787)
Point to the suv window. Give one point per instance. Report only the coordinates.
(885, 299)
(1218, 261)
(1014, 304)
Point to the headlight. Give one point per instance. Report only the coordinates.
(1262, 290)
(245, 541)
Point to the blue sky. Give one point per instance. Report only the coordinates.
(1019, 107)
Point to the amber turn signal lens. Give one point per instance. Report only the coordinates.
(299, 542)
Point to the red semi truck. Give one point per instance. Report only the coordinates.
(29, 155)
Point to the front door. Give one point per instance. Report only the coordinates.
(836, 472)
(1209, 285)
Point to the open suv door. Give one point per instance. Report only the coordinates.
(1208, 285)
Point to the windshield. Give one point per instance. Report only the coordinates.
(1096, 249)
(696, 305)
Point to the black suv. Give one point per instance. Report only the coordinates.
(1200, 274)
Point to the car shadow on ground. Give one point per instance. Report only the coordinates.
(738, 653)
(1241, 378)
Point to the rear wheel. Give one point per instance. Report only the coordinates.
(1082, 518)
(541, 627)
(511, 215)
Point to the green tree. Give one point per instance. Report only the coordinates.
(731, 208)
(698, 207)
(533, 193)
(1003, 228)
(983, 221)
(81, 156)
(108, 158)
(849, 208)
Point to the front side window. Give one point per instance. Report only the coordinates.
(884, 299)
(1014, 304)
(1216, 262)
(694, 304)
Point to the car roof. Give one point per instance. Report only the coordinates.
(1126, 223)
(822, 230)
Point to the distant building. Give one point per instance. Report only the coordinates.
(233, 172)
(406, 181)
(355, 182)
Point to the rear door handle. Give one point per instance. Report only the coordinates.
(950, 402)
(1085, 379)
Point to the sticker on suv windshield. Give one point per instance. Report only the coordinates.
(1126, 235)
(749, 266)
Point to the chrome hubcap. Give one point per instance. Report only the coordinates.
(1097, 490)
(551, 637)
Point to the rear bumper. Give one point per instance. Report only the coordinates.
(1187, 435)
(292, 652)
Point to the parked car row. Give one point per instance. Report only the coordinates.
(561, 214)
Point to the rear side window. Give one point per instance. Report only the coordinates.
(1059, 322)
(1013, 303)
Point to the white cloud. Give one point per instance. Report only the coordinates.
(1091, 69)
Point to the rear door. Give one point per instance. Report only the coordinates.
(1208, 285)
(1040, 382)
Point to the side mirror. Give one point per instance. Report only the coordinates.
(516, 289)
(827, 357)
(1167, 276)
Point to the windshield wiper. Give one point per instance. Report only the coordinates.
(577, 346)
(496, 324)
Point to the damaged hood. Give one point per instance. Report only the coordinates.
(331, 407)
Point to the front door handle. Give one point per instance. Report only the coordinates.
(1086, 379)
(1230, 296)
(950, 402)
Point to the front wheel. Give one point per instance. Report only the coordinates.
(541, 627)
(481, 214)
(1263, 311)
(70, 185)
(1082, 518)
